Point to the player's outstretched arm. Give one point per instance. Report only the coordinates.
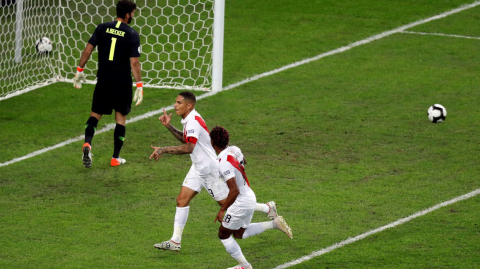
(183, 149)
(80, 76)
(165, 120)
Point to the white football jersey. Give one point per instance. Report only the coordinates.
(228, 168)
(195, 131)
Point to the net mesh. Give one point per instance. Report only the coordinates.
(176, 38)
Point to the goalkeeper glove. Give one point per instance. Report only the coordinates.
(79, 78)
(138, 93)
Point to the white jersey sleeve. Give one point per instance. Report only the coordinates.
(191, 132)
(226, 171)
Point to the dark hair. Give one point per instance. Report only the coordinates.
(124, 7)
(219, 137)
(188, 96)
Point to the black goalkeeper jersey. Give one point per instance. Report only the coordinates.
(117, 43)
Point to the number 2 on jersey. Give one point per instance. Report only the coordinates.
(112, 48)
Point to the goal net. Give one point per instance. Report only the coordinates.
(20, 65)
(176, 38)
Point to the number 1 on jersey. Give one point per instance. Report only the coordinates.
(112, 48)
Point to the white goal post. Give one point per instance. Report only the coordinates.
(181, 42)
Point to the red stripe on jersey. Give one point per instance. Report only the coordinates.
(232, 160)
(191, 139)
(202, 123)
(184, 134)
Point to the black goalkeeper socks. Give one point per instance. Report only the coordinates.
(90, 128)
(118, 138)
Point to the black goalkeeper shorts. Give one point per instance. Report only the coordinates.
(112, 95)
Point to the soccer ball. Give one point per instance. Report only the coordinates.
(43, 45)
(437, 113)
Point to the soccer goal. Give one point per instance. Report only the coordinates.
(181, 42)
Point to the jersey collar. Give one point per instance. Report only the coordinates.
(190, 116)
(223, 153)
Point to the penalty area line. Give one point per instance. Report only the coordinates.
(259, 76)
(440, 34)
(364, 235)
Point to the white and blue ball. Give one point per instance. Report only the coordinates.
(437, 113)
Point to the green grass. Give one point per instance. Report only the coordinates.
(343, 145)
(421, 243)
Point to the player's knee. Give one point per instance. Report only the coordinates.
(222, 235)
(182, 201)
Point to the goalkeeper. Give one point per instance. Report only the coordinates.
(118, 53)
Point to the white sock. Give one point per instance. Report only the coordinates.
(234, 250)
(181, 217)
(262, 208)
(257, 228)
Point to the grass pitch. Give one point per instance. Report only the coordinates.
(343, 145)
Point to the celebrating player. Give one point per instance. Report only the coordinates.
(236, 213)
(204, 170)
(118, 52)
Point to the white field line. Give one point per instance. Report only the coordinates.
(391, 225)
(356, 44)
(28, 89)
(440, 34)
(256, 77)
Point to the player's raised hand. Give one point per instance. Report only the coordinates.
(79, 78)
(138, 93)
(157, 153)
(165, 118)
(220, 215)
